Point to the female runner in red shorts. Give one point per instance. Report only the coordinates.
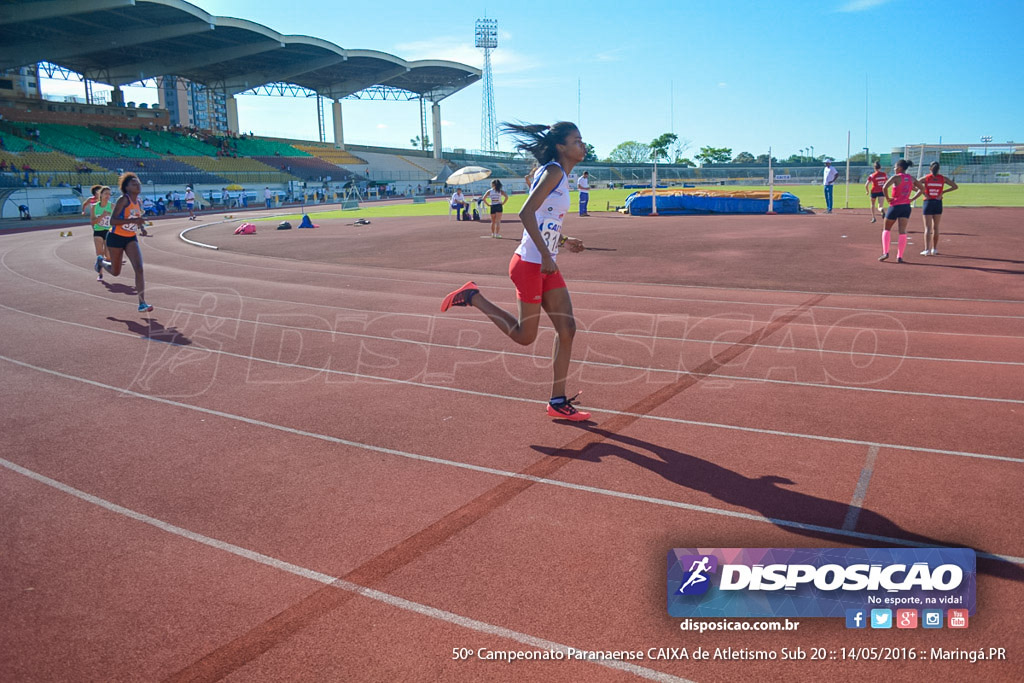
(539, 284)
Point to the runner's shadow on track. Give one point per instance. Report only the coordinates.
(766, 496)
(154, 331)
(118, 288)
(981, 269)
(980, 258)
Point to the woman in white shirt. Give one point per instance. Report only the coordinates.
(539, 284)
(496, 199)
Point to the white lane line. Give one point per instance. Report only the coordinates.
(861, 492)
(656, 316)
(578, 291)
(612, 284)
(519, 399)
(501, 473)
(614, 366)
(335, 582)
(626, 335)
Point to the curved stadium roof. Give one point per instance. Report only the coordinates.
(123, 41)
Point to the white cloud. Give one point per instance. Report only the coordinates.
(447, 123)
(861, 5)
(722, 84)
(381, 126)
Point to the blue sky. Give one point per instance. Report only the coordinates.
(736, 73)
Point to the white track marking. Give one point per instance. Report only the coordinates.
(861, 492)
(486, 322)
(578, 291)
(519, 399)
(502, 473)
(669, 371)
(335, 582)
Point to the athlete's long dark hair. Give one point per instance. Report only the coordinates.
(903, 165)
(539, 140)
(496, 184)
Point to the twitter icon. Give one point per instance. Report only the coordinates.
(881, 618)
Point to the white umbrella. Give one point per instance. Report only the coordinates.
(469, 174)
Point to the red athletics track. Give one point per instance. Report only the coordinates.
(296, 468)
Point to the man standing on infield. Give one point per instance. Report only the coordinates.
(829, 178)
(583, 185)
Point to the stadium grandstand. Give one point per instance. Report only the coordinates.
(53, 145)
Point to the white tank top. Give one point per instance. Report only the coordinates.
(494, 196)
(549, 217)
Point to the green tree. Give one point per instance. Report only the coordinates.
(423, 144)
(683, 161)
(680, 146)
(591, 153)
(763, 159)
(630, 152)
(659, 146)
(743, 158)
(714, 155)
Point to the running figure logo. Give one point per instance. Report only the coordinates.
(696, 581)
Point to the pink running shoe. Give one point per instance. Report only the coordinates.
(460, 297)
(567, 411)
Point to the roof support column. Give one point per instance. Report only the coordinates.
(339, 130)
(435, 112)
(232, 105)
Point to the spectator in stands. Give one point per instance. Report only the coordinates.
(3, 165)
(460, 205)
(23, 212)
(176, 198)
(148, 207)
(243, 198)
(161, 207)
(268, 196)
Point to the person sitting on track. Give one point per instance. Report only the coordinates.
(127, 221)
(539, 284)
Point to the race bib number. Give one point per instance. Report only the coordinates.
(104, 220)
(551, 233)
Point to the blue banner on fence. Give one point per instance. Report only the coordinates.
(817, 582)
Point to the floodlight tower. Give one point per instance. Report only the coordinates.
(487, 38)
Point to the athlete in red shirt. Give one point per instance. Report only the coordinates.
(873, 186)
(934, 188)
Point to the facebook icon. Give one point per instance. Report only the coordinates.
(856, 618)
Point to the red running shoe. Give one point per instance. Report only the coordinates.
(460, 297)
(567, 411)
